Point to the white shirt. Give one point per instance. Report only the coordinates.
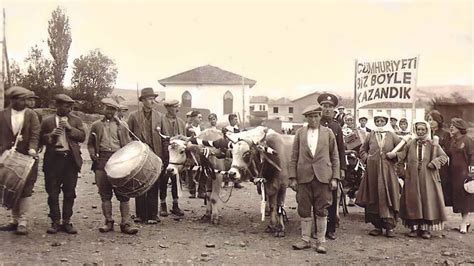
(197, 130)
(313, 135)
(18, 118)
(233, 129)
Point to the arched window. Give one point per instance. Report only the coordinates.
(228, 103)
(186, 99)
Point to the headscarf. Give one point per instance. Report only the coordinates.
(387, 126)
(427, 136)
(459, 123)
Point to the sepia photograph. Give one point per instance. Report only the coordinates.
(237, 132)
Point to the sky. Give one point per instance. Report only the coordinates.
(290, 48)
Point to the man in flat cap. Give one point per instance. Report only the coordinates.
(341, 115)
(328, 102)
(108, 135)
(121, 112)
(62, 133)
(30, 101)
(172, 126)
(314, 173)
(19, 123)
(193, 130)
(144, 123)
(212, 118)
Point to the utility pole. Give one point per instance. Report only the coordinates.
(5, 66)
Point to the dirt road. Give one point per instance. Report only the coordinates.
(238, 239)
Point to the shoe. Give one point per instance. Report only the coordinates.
(331, 235)
(238, 186)
(68, 228)
(137, 220)
(321, 249)
(300, 245)
(426, 235)
(21, 230)
(351, 202)
(375, 232)
(390, 233)
(192, 196)
(464, 231)
(164, 210)
(153, 221)
(128, 229)
(176, 210)
(9, 227)
(54, 228)
(413, 233)
(108, 226)
(201, 195)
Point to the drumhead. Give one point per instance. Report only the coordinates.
(125, 160)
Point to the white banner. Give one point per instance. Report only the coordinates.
(385, 81)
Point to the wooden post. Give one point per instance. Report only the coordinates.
(355, 94)
(413, 107)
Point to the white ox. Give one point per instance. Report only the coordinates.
(181, 151)
(251, 156)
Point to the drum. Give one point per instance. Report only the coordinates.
(133, 169)
(14, 169)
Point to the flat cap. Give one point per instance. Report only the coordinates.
(171, 103)
(328, 98)
(189, 113)
(31, 95)
(341, 107)
(63, 98)
(194, 113)
(110, 102)
(17, 92)
(363, 117)
(312, 109)
(459, 123)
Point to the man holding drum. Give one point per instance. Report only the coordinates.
(144, 123)
(108, 135)
(20, 123)
(62, 133)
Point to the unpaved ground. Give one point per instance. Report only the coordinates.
(238, 239)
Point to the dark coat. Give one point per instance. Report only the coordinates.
(74, 136)
(167, 128)
(337, 130)
(30, 132)
(137, 126)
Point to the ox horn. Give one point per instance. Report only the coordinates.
(158, 129)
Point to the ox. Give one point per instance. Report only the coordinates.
(181, 151)
(250, 155)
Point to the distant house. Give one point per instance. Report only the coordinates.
(259, 106)
(312, 98)
(281, 109)
(220, 91)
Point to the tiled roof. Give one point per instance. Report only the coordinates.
(259, 99)
(207, 75)
(281, 101)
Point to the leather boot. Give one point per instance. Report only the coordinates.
(69, 228)
(164, 209)
(126, 227)
(305, 241)
(23, 205)
(321, 226)
(107, 212)
(176, 210)
(55, 227)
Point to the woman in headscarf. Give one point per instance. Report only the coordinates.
(436, 121)
(379, 191)
(422, 203)
(461, 165)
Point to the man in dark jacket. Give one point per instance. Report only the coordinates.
(62, 133)
(172, 126)
(20, 123)
(107, 136)
(328, 102)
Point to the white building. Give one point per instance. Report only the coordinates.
(220, 91)
(397, 110)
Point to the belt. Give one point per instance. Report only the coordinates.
(62, 153)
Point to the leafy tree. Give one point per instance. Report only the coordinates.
(93, 78)
(38, 76)
(59, 42)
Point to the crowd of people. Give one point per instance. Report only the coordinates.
(410, 174)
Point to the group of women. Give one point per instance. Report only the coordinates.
(437, 163)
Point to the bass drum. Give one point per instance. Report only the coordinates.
(133, 169)
(14, 170)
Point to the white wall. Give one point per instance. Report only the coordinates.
(212, 97)
(397, 112)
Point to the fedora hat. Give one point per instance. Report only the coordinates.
(147, 92)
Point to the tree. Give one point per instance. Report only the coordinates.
(38, 76)
(93, 78)
(16, 74)
(59, 42)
